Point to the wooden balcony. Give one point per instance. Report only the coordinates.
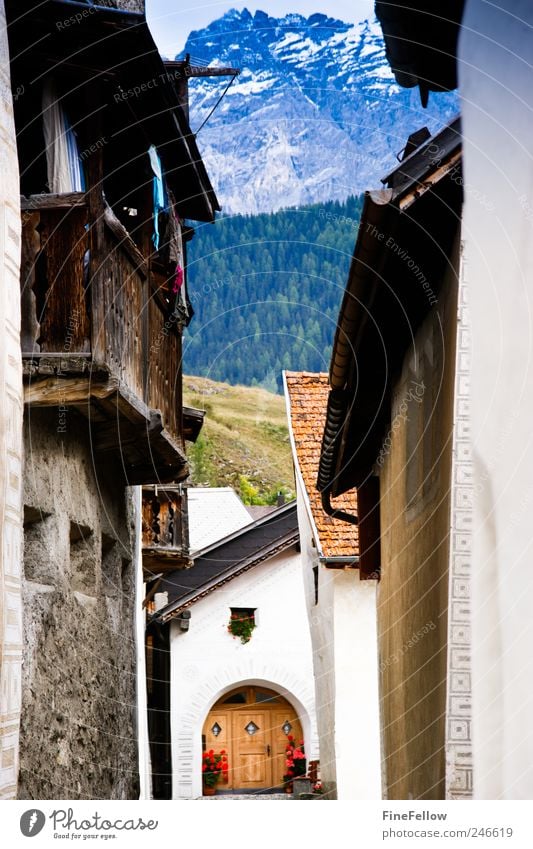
(165, 530)
(100, 337)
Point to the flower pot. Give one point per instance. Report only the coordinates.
(209, 791)
(302, 785)
(288, 787)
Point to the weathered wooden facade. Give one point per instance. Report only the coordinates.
(109, 171)
(101, 329)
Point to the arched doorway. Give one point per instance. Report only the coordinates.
(252, 724)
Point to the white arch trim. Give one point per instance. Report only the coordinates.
(187, 729)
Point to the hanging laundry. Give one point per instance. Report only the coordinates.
(62, 158)
(159, 199)
(171, 252)
(178, 279)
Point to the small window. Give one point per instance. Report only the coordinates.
(244, 613)
(242, 623)
(236, 699)
(315, 582)
(265, 697)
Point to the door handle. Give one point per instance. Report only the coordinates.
(268, 750)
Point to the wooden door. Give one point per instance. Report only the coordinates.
(217, 731)
(217, 734)
(279, 738)
(251, 746)
(250, 724)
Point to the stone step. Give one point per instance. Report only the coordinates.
(243, 797)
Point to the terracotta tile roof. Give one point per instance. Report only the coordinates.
(307, 397)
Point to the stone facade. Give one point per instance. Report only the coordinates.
(127, 5)
(10, 435)
(79, 734)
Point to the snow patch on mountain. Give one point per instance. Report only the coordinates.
(315, 115)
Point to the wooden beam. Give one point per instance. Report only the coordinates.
(62, 392)
(49, 201)
(149, 596)
(164, 473)
(36, 365)
(165, 560)
(119, 433)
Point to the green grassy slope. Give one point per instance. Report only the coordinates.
(244, 442)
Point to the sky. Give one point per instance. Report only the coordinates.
(171, 21)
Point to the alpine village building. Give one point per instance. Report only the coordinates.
(212, 688)
(340, 565)
(94, 239)
(395, 430)
(427, 409)
(95, 373)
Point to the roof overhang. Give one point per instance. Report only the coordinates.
(404, 241)
(227, 559)
(64, 36)
(421, 42)
(122, 428)
(193, 421)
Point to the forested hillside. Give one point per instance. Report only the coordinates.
(266, 291)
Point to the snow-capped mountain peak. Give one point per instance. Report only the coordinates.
(315, 114)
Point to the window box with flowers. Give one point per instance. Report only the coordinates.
(242, 623)
(295, 762)
(214, 767)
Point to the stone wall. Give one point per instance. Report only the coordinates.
(127, 5)
(10, 435)
(78, 732)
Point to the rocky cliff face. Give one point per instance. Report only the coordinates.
(315, 114)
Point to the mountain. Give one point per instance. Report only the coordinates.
(244, 442)
(266, 291)
(315, 114)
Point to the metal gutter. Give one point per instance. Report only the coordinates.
(362, 270)
(381, 215)
(425, 159)
(340, 559)
(328, 508)
(363, 280)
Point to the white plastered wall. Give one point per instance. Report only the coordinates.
(344, 637)
(10, 436)
(496, 85)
